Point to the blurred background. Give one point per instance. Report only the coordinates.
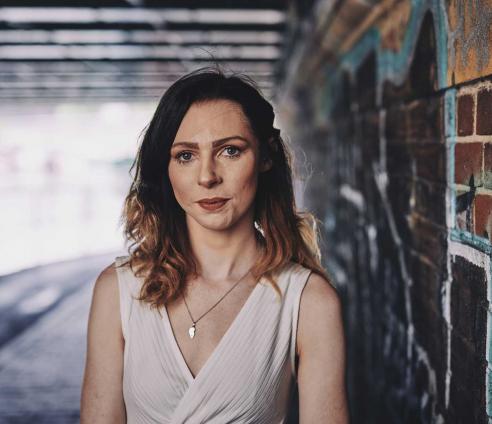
(388, 108)
(79, 81)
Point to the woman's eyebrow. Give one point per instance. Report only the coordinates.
(215, 143)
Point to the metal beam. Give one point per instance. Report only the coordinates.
(156, 16)
(134, 53)
(162, 4)
(189, 37)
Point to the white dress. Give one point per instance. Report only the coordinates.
(249, 378)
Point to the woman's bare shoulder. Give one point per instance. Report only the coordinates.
(320, 306)
(105, 307)
(321, 289)
(321, 376)
(107, 281)
(102, 384)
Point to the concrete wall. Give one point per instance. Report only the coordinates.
(391, 102)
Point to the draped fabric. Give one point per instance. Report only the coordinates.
(249, 377)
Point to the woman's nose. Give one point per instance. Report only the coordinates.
(208, 173)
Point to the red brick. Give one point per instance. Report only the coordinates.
(430, 201)
(398, 159)
(484, 112)
(483, 216)
(487, 165)
(425, 119)
(429, 240)
(430, 161)
(466, 105)
(468, 163)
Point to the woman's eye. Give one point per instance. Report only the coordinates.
(180, 159)
(185, 157)
(234, 149)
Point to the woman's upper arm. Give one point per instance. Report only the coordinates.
(321, 343)
(102, 388)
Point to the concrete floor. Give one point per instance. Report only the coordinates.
(41, 369)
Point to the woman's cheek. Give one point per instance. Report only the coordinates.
(179, 184)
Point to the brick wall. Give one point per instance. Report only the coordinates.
(391, 102)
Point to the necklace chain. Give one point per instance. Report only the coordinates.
(192, 329)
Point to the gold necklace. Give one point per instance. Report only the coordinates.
(192, 329)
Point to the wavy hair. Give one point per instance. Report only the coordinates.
(154, 222)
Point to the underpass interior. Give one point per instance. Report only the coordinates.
(387, 106)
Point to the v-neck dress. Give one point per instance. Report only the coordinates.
(249, 378)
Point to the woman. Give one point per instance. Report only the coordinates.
(221, 305)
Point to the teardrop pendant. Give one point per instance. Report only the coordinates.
(191, 331)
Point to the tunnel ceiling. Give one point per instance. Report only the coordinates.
(132, 49)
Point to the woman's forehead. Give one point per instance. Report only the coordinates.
(213, 120)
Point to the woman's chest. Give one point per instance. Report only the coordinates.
(200, 324)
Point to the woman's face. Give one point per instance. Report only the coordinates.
(215, 154)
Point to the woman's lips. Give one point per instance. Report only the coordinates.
(212, 206)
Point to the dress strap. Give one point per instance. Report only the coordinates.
(297, 286)
(125, 280)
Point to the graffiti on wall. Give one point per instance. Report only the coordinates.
(416, 197)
